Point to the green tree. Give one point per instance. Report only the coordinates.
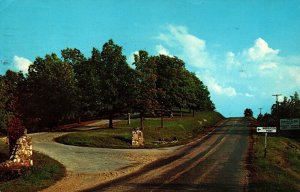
(145, 88)
(199, 94)
(51, 88)
(117, 84)
(288, 108)
(87, 75)
(248, 112)
(168, 84)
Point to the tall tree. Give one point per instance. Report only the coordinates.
(52, 89)
(88, 100)
(168, 84)
(117, 83)
(145, 97)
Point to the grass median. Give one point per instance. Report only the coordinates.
(176, 131)
(44, 173)
(280, 170)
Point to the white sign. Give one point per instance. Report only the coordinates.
(266, 129)
(289, 124)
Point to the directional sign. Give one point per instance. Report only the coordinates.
(289, 124)
(266, 129)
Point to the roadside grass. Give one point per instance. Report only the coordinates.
(176, 131)
(280, 170)
(43, 174)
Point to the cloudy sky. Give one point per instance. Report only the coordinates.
(244, 51)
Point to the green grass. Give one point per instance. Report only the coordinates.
(280, 170)
(181, 129)
(43, 174)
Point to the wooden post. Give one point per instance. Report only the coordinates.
(142, 120)
(161, 117)
(128, 119)
(265, 155)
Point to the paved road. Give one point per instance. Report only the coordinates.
(213, 163)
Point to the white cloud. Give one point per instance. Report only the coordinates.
(218, 89)
(280, 98)
(21, 63)
(256, 71)
(261, 51)
(249, 95)
(294, 73)
(268, 66)
(231, 61)
(162, 50)
(192, 48)
(130, 59)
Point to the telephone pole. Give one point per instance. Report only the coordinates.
(276, 95)
(260, 110)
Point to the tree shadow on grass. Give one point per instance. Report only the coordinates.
(126, 140)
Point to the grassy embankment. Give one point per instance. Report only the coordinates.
(176, 128)
(280, 170)
(43, 174)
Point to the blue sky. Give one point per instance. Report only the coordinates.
(244, 51)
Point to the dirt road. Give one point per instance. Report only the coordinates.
(213, 163)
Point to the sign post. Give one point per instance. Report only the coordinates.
(266, 135)
(266, 130)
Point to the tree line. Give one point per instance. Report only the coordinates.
(287, 109)
(73, 87)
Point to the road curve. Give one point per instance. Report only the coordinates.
(88, 167)
(89, 160)
(213, 163)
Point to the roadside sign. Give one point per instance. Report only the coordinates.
(266, 129)
(289, 124)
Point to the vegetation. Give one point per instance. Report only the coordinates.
(248, 112)
(177, 131)
(63, 89)
(288, 108)
(280, 170)
(43, 174)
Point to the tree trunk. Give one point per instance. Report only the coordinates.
(161, 118)
(180, 112)
(142, 120)
(193, 112)
(78, 119)
(111, 114)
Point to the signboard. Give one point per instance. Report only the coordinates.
(289, 124)
(266, 129)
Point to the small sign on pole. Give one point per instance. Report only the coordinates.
(266, 130)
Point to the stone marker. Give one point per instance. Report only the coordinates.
(21, 156)
(137, 138)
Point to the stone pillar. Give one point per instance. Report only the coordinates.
(21, 155)
(137, 138)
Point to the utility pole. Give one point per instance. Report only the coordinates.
(276, 95)
(260, 110)
(277, 106)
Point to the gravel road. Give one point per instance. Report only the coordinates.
(86, 166)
